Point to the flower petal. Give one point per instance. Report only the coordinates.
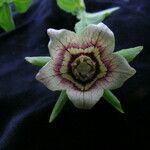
(50, 78)
(119, 72)
(85, 99)
(99, 35)
(60, 40)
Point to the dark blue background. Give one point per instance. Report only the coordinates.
(25, 104)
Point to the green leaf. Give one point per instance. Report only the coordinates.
(5, 1)
(22, 5)
(63, 98)
(38, 61)
(112, 99)
(71, 6)
(6, 20)
(2, 2)
(130, 53)
(93, 18)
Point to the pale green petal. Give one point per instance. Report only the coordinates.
(85, 99)
(99, 35)
(50, 78)
(60, 40)
(120, 72)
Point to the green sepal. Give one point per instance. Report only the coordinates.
(63, 98)
(113, 100)
(130, 53)
(22, 5)
(38, 61)
(92, 18)
(71, 6)
(6, 19)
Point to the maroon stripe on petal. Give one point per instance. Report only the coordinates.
(59, 60)
(73, 45)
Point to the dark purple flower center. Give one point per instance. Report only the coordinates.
(83, 67)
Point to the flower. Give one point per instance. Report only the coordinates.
(84, 64)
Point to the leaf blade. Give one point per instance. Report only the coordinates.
(71, 6)
(6, 19)
(22, 5)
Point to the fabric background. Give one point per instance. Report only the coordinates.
(25, 104)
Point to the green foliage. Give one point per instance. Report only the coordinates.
(22, 5)
(2, 2)
(6, 19)
(92, 18)
(71, 6)
(5, 1)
